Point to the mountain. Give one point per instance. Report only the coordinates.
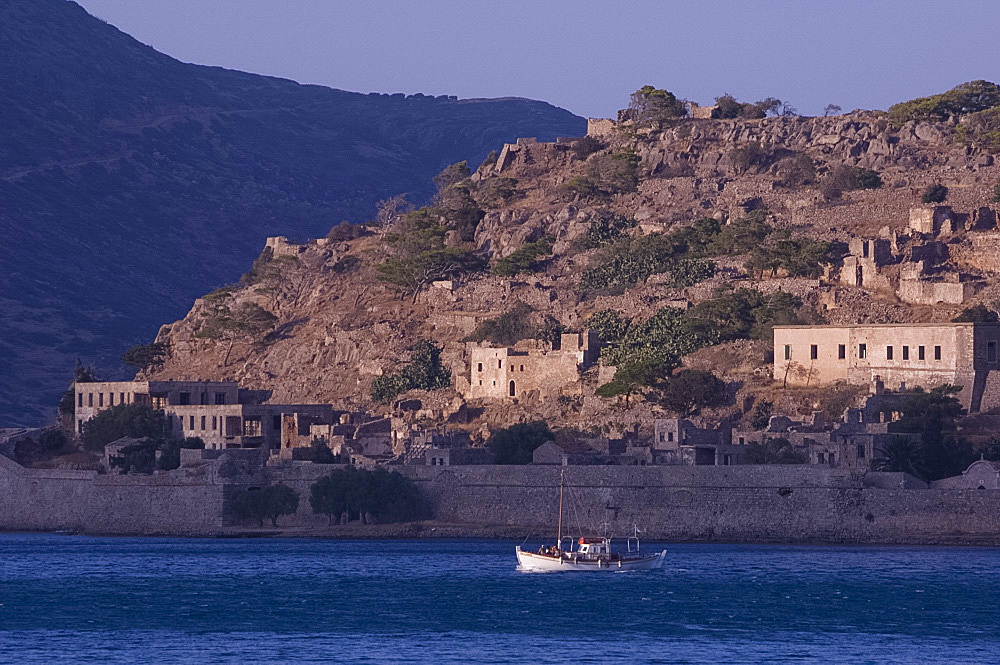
(131, 182)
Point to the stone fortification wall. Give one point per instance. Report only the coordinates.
(50, 500)
(742, 503)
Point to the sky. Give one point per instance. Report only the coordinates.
(587, 56)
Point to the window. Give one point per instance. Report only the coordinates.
(522, 368)
(820, 458)
(813, 352)
(79, 400)
(203, 423)
(100, 399)
(90, 399)
(661, 437)
(861, 451)
(742, 440)
(479, 367)
(499, 364)
(841, 351)
(220, 398)
(888, 353)
(937, 353)
(991, 352)
(215, 424)
(920, 353)
(511, 389)
(121, 398)
(185, 398)
(79, 426)
(670, 436)
(276, 422)
(862, 350)
(788, 351)
(906, 353)
(191, 422)
(203, 398)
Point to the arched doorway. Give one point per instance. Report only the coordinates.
(512, 391)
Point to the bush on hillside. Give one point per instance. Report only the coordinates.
(121, 420)
(524, 259)
(935, 193)
(424, 372)
(690, 390)
(963, 99)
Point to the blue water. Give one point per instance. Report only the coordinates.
(126, 600)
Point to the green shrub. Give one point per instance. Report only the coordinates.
(847, 178)
(742, 314)
(935, 193)
(609, 325)
(524, 259)
(726, 106)
(506, 329)
(515, 444)
(586, 146)
(774, 451)
(690, 390)
(651, 105)
(750, 157)
(966, 98)
(347, 264)
(424, 372)
(582, 186)
(606, 227)
(688, 272)
(614, 173)
(496, 191)
(131, 420)
(145, 356)
(489, 160)
(799, 257)
(346, 231)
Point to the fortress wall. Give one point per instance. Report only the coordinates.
(742, 503)
(50, 500)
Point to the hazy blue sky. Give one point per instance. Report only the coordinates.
(587, 56)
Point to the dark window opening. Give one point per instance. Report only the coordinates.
(906, 353)
(888, 353)
(203, 423)
(861, 451)
(813, 352)
(220, 398)
(185, 398)
(190, 422)
(788, 351)
(937, 353)
(204, 398)
(79, 401)
(841, 351)
(479, 367)
(862, 350)
(511, 389)
(920, 353)
(276, 422)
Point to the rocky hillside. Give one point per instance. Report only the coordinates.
(776, 191)
(131, 182)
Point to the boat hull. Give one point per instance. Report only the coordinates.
(540, 563)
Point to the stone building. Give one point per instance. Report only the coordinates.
(530, 367)
(897, 355)
(679, 441)
(863, 265)
(218, 412)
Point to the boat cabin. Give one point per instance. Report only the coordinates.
(593, 546)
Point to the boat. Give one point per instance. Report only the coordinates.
(586, 553)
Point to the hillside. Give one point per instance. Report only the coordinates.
(698, 190)
(131, 182)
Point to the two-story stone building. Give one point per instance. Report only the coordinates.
(899, 355)
(215, 411)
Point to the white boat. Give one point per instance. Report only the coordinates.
(587, 554)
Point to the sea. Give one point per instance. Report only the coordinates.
(78, 599)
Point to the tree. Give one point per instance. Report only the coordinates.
(139, 457)
(384, 496)
(145, 356)
(247, 321)
(269, 502)
(515, 444)
(652, 105)
(931, 414)
(688, 391)
(131, 420)
(774, 451)
(642, 370)
(388, 211)
(902, 454)
(761, 415)
(452, 175)
(831, 109)
(615, 172)
(524, 259)
(977, 314)
(424, 372)
(935, 193)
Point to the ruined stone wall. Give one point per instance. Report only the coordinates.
(600, 126)
(924, 292)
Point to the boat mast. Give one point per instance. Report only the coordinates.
(562, 473)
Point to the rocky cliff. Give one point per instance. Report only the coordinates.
(338, 329)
